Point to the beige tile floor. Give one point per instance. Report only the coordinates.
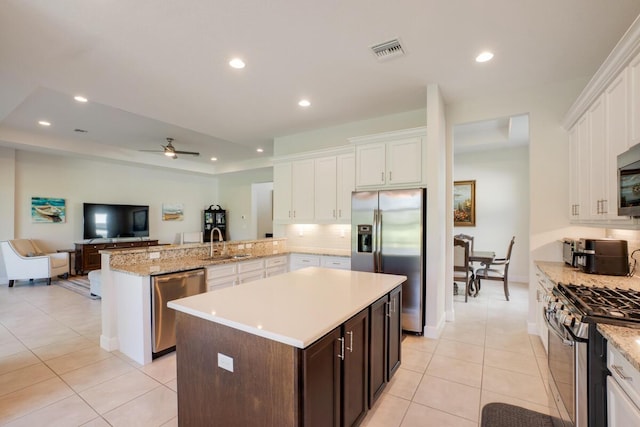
(54, 373)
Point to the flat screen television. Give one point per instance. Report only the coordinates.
(110, 221)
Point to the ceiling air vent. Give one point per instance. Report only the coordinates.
(387, 50)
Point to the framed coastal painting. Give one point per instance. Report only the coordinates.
(464, 203)
(48, 209)
(172, 212)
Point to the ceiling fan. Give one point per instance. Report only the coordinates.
(170, 151)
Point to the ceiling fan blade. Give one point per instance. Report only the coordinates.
(191, 153)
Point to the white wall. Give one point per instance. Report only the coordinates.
(235, 197)
(81, 180)
(548, 159)
(262, 202)
(502, 203)
(7, 196)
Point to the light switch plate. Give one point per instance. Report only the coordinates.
(225, 362)
(154, 255)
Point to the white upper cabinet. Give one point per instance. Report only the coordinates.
(302, 190)
(282, 192)
(370, 169)
(346, 184)
(326, 178)
(595, 142)
(597, 155)
(634, 91)
(392, 159)
(617, 139)
(293, 191)
(314, 187)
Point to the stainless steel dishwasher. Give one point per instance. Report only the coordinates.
(165, 288)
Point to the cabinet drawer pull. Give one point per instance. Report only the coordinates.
(620, 373)
(341, 355)
(350, 348)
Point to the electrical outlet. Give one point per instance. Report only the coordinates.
(225, 362)
(154, 255)
(240, 247)
(249, 245)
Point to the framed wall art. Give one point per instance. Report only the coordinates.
(172, 212)
(48, 209)
(464, 203)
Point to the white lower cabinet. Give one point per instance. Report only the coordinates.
(298, 261)
(623, 391)
(237, 273)
(275, 265)
(221, 276)
(339, 262)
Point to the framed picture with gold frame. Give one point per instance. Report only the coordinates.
(464, 203)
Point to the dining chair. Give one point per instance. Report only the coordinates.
(498, 274)
(466, 237)
(461, 267)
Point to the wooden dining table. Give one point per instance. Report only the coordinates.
(485, 258)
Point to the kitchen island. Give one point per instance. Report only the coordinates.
(290, 350)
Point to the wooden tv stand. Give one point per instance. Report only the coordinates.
(88, 254)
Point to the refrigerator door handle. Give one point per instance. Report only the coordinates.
(374, 238)
(379, 242)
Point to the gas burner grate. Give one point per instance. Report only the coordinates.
(604, 303)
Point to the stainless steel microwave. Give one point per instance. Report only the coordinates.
(629, 182)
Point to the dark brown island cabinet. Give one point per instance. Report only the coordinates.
(329, 383)
(88, 254)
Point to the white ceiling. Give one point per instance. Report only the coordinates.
(155, 69)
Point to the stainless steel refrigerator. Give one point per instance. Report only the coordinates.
(388, 235)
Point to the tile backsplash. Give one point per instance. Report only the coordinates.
(633, 243)
(323, 236)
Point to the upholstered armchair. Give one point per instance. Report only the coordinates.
(23, 260)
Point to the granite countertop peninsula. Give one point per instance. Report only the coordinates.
(625, 339)
(162, 259)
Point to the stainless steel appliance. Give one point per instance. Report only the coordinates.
(629, 182)
(165, 288)
(577, 351)
(388, 235)
(603, 256)
(568, 251)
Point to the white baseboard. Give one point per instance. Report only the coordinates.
(532, 328)
(435, 331)
(109, 344)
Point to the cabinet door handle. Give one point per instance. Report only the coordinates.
(341, 355)
(388, 308)
(390, 176)
(350, 348)
(289, 214)
(382, 176)
(621, 374)
(334, 213)
(604, 206)
(340, 213)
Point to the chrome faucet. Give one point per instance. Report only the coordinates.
(224, 247)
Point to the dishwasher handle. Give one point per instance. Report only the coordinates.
(173, 276)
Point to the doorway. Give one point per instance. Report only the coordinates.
(262, 209)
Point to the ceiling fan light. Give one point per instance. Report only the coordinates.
(169, 154)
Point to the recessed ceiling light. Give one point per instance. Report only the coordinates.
(44, 123)
(259, 150)
(237, 63)
(304, 103)
(80, 98)
(214, 159)
(484, 57)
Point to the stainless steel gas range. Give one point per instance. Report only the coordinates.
(577, 351)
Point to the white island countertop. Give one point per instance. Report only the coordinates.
(295, 308)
